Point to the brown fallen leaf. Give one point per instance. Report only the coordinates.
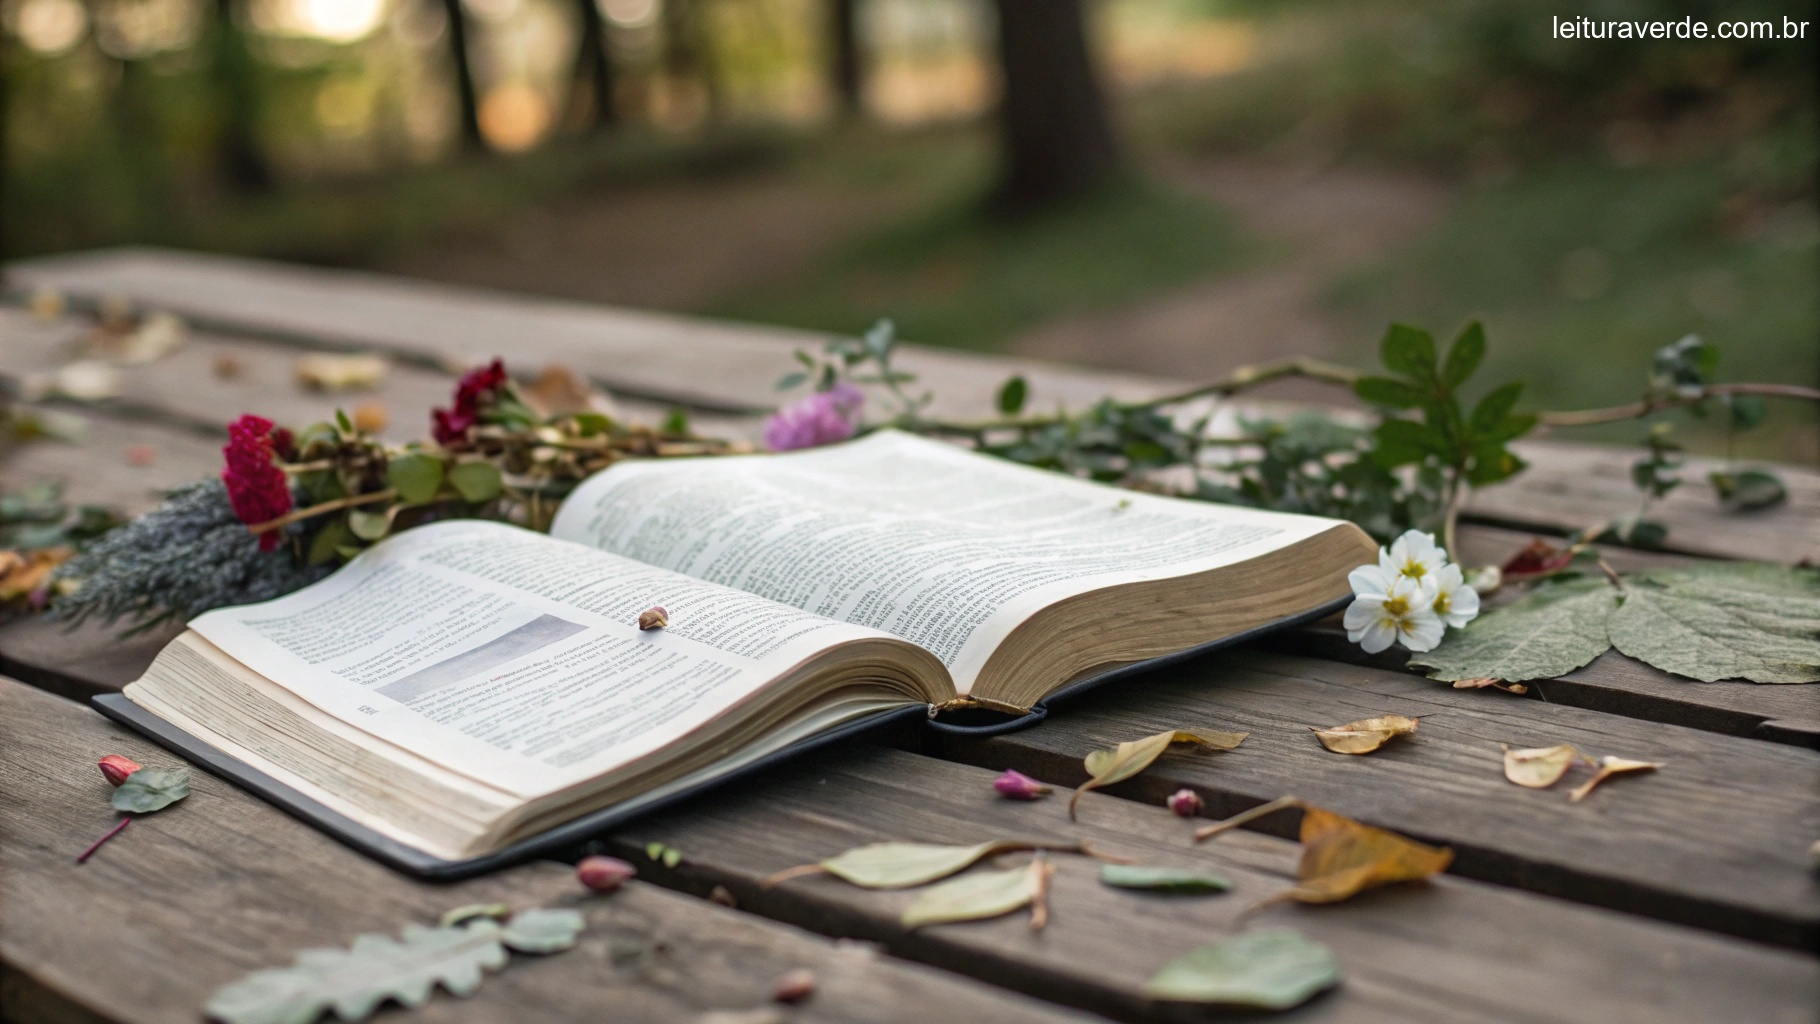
(1366, 734)
(324, 372)
(559, 389)
(1540, 767)
(1342, 857)
(1609, 766)
(1105, 767)
(371, 417)
(227, 366)
(22, 572)
(1495, 684)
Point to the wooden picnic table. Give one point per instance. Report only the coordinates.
(1683, 895)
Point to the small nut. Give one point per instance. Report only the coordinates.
(654, 617)
(1185, 802)
(604, 874)
(794, 986)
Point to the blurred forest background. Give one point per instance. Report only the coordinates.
(1176, 186)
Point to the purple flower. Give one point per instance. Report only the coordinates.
(822, 418)
(1018, 786)
(1185, 802)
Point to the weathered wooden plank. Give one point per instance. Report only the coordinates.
(191, 898)
(1718, 838)
(724, 366)
(1454, 950)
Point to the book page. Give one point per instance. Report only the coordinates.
(516, 659)
(946, 548)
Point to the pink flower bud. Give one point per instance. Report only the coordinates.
(1018, 786)
(794, 986)
(604, 874)
(1185, 802)
(117, 768)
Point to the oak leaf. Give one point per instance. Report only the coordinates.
(1366, 734)
(1105, 767)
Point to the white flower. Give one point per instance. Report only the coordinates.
(1415, 555)
(1455, 603)
(1388, 608)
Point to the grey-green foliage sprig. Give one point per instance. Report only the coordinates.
(188, 555)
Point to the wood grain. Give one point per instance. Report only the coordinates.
(191, 898)
(1718, 838)
(1453, 950)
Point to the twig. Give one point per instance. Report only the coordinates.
(96, 845)
(1039, 900)
(1638, 410)
(299, 515)
(1281, 803)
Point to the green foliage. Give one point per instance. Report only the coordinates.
(151, 789)
(37, 517)
(1273, 969)
(1556, 628)
(1469, 446)
(417, 477)
(355, 982)
(1158, 879)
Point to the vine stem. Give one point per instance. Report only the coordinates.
(82, 858)
(1456, 496)
(299, 515)
(1638, 410)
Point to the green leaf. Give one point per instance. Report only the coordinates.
(1105, 767)
(592, 424)
(1389, 391)
(416, 476)
(476, 481)
(1410, 351)
(1491, 463)
(676, 421)
(342, 421)
(974, 897)
(1555, 629)
(661, 854)
(354, 982)
(1747, 411)
(151, 789)
(1736, 620)
(1272, 970)
(1401, 442)
(369, 526)
(1493, 410)
(326, 545)
(1464, 356)
(906, 865)
(1749, 489)
(1011, 397)
(793, 379)
(542, 931)
(1155, 879)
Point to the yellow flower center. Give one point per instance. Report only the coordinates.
(1414, 570)
(1396, 606)
(1442, 603)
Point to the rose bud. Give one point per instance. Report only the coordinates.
(794, 986)
(1185, 802)
(653, 617)
(117, 768)
(1018, 786)
(604, 874)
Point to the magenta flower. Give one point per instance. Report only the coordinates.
(256, 487)
(1185, 802)
(822, 418)
(1018, 786)
(477, 388)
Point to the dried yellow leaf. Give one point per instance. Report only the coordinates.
(1539, 767)
(1342, 857)
(1366, 734)
(325, 372)
(1106, 767)
(1609, 766)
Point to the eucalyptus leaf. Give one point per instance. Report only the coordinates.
(974, 897)
(1159, 879)
(416, 477)
(1272, 970)
(151, 789)
(476, 481)
(542, 931)
(1555, 629)
(1736, 620)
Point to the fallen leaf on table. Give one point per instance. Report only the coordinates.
(1342, 857)
(1133, 756)
(1272, 970)
(87, 380)
(559, 389)
(1157, 879)
(1539, 767)
(1495, 684)
(977, 896)
(464, 914)
(1538, 559)
(1366, 734)
(151, 789)
(22, 572)
(157, 335)
(542, 931)
(902, 865)
(1609, 766)
(1555, 628)
(1735, 620)
(324, 372)
(371, 417)
(658, 853)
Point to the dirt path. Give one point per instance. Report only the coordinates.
(1312, 225)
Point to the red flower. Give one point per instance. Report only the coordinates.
(256, 488)
(478, 387)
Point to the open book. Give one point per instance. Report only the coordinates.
(466, 687)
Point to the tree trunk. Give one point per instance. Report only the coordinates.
(239, 161)
(465, 91)
(686, 55)
(592, 79)
(1056, 137)
(845, 71)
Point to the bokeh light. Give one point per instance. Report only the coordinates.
(50, 27)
